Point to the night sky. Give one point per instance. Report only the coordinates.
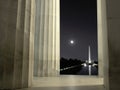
(78, 21)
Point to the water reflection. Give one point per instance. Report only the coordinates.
(79, 70)
(84, 71)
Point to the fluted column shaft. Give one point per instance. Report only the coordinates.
(17, 47)
(47, 41)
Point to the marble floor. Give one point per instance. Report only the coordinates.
(68, 80)
(67, 88)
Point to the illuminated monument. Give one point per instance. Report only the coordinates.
(90, 63)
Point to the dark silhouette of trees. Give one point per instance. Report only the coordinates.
(64, 63)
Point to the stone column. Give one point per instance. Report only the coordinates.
(102, 42)
(16, 43)
(47, 37)
(113, 23)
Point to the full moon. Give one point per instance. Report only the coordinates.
(71, 42)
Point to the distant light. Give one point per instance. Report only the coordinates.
(85, 65)
(90, 62)
(71, 41)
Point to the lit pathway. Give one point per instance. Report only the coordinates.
(70, 67)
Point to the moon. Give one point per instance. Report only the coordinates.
(72, 42)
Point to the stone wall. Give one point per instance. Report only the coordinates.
(113, 24)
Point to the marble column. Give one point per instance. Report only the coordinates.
(16, 43)
(110, 22)
(113, 23)
(102, 42)
(47, 38)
